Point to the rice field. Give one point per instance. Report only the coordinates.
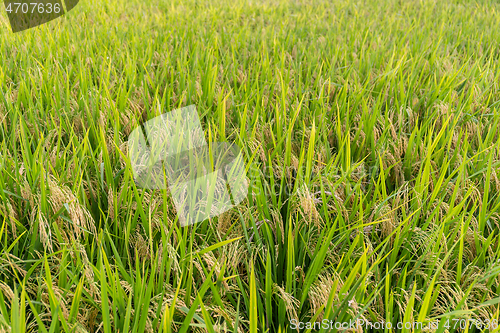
(370, 132)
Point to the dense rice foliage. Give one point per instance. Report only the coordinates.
(371, 135)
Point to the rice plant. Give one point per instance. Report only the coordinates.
(370, 132)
